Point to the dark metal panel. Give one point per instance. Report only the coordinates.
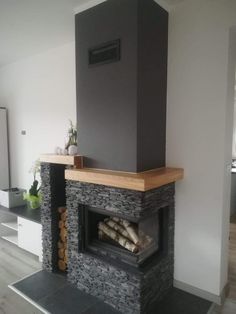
(121, 101)
(107, 94)
(152, 84)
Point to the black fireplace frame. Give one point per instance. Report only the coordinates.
(114, 253)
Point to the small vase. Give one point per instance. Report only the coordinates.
(73, 150)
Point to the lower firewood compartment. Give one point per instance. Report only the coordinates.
(122, 238)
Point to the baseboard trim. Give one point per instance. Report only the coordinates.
(217, 299)
(212, 309)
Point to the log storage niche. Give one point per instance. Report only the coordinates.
(62, 242)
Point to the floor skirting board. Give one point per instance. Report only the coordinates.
(218, 299)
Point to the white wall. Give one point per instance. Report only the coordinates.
(40, 95)
(199, 134)
(229, 123)
(234, 133)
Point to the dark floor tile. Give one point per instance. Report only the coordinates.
(180, 302)
(68, 300)
(101, 308)
(40, 285)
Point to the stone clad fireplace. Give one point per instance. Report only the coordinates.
(128, 272)
(116, 277)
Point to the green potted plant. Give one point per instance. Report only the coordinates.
(33, 196)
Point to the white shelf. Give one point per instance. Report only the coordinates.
(11, 225)
(23, 233)
(11, 238)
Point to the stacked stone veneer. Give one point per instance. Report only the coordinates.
(128, 289)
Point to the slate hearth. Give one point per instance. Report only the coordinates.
(51, 293)
(128, 289)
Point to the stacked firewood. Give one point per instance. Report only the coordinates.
(62, 243)
(124, 233)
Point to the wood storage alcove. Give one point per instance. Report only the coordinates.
(62, 242)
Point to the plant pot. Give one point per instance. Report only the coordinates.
(33, 202)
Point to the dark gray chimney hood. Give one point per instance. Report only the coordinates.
(121, 79)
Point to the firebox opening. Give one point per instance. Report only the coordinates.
(121, 238)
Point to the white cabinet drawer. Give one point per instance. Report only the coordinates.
(30, 236)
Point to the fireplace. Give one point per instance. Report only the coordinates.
(128, 265)
(120, 216)
(122, 238)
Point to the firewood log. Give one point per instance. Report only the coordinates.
(66, 259)
(117, 227)
(61, 209)
(117, 237)
(103, 236)
(63, 238)
(116, 219)
(61, 245)
(131, 231)
(61, 253)
(145, 241)
(61, 224)
(100, 235)
(64, 216)
(63, 232)
(61, 265)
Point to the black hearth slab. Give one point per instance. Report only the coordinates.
(24, 212)
(101, 308)
(180, 302)
(70, 300)
(51, 293)
(40, 284)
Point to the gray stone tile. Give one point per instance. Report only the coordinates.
(68, 300)
(180, 302)
(40, 285)
(101, 308)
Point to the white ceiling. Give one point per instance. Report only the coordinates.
(28, 27)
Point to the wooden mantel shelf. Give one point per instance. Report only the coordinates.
(142, 181)
(76, 161)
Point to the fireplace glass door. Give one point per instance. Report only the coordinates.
(121, 238)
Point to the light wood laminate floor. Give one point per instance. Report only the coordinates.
(14, 265)
(232, 259)
(228, 308)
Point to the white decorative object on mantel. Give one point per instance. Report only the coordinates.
(73, 150)
(61, 151)
(65, 151)
(57, 150)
